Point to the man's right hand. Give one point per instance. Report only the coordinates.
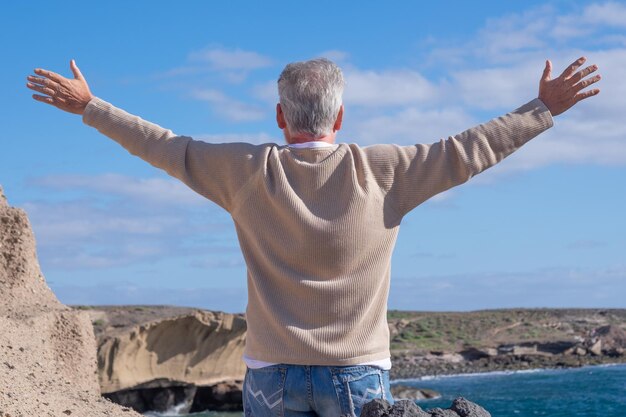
(561, 93)
(70, 95)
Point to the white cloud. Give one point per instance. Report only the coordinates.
(232, 65)
(497, 88)
(83, 235)
(229, 108)
(230, 59)
(155, 190)
(516, 32)
(611, 14)
(594, 17)
(408, 126)
(267, 92)
(535, 34)
(576, 287)
(121, 221)
(231, 299)
(386, 88)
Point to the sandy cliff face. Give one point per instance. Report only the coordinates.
(200, 348)
(47, 350)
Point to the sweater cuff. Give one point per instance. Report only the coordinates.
(541, 113)
(95, 107)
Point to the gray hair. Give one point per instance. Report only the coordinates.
(310, 96)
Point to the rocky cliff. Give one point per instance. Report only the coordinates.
(154, 358)
(200, 348)
(47, 350)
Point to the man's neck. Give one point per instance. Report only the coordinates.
(298, 138)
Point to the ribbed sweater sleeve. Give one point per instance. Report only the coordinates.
(216, 171)
(410, 175)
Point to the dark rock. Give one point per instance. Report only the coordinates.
(474, 353)
(407, 408)
(154, 399)
(376, 408)
(406, 392)
(613, 339)
(225, 396)
(441, 412)
(161, 395)
(402, 408)
(465, 408)
(557, 347)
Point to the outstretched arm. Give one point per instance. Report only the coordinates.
(216, 171)
(410, 175)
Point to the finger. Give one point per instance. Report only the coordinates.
(573, 67)
(42, 81)
(43, 99)
(547, 72)
(586, 83)
(77, 74)
(41, 89)
(582, 74)
(587, 94)
(49, 74)
(38, 80)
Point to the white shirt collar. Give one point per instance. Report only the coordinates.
(313, 144)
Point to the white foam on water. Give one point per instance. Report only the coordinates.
(471, 374)
(175, 410)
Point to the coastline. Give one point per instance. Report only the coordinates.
(502, 372)
(404, 370)
(574, 392)
(512, 404)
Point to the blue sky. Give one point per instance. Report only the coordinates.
(545, 228)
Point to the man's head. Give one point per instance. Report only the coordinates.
(310, 100)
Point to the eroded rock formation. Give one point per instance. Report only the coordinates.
(47, 350)
(192, 360)
(201, 348)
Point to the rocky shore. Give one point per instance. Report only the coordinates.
(427, 344)
(405, 408)
(423, 344)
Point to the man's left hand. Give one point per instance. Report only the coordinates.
(560, 94)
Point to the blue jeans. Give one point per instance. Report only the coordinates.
(302, 390)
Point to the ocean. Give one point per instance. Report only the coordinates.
(593, 391)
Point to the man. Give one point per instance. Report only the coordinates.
(317, 222)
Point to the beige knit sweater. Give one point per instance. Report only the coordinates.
(317, 226)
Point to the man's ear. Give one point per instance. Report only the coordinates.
(339, 119)
(280, 117)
